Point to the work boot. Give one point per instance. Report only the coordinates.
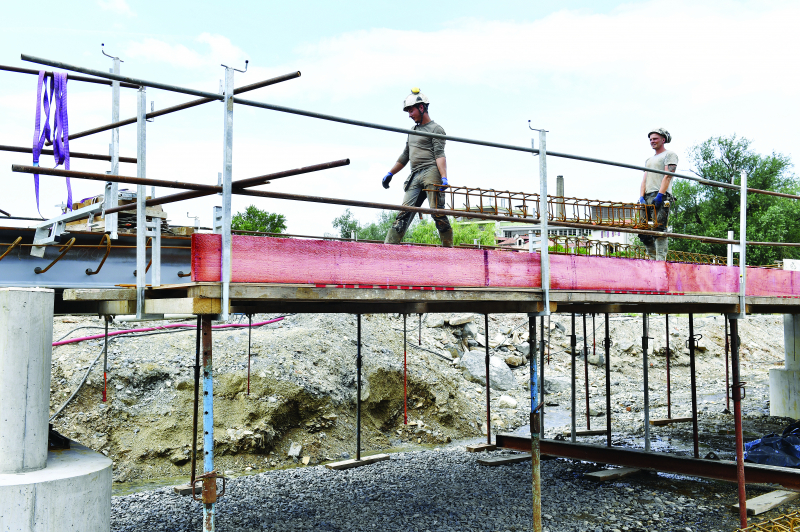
(393, 237)
(447, 238)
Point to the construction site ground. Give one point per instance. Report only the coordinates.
(302, 391)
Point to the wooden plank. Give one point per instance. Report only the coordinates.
(349, 464)
(116, 308)
(99, 294)
(768, 501)
(669, 421)
(504, 460)
(611, 474)
(187, 305)
(186, 489)
(479, 447)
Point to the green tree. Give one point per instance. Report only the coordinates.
(425, 232)
(712, 211)
(377, 230)
(254, 219)
(346, 224)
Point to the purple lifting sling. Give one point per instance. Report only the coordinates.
(58, 89)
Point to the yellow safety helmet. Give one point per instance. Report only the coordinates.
(416, 97)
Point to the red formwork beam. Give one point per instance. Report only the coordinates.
(669, 463)
(282, 260)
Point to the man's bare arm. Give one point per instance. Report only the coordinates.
(397, 167)
(667, 178)
(641, 188)
(441, 164)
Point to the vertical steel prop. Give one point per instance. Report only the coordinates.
(536, 481)
(544, 248)
(737, 390)
(693, 384)
(488, 398)
(405, 375)
(727, 365)
(420, 329)
(541, 375)
(105, 360)
(209, 493)
(573, 398)
(586, 372)
(141, 218)
(669, 397)
(607, 346)
(645, 383)
(358, 387)
(196, 399)
(249, 344)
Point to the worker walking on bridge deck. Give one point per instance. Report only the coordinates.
(656, 189)
(428, 169)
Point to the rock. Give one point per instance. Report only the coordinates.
(500, 376)
(434, 320)
(178, 457)
(499, 339)
(625, 345)
(306, 460)
(470, 330)
(505, 330)
(330, 417)
(454, 351)
(460, 319)
(524, 348)
(597, 360)
(294, 450)
(596, 413)
(506, 401)
(514, 361)
(481, 339)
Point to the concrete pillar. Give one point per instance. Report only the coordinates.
(560, 193)
(26, 336)
(784, 384)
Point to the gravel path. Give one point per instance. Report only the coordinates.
(440, 491)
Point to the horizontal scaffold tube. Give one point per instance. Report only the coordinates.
(240, 184)
(182, 106)
(361, 123)
(72, 154)
(71, 77)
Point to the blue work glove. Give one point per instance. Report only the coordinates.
(387, 179)
(641, 200)
(659, 200)
(444, 182)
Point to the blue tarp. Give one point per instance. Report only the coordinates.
(776, 450)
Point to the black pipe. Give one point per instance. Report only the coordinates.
(607, 345)
(541, 378)
(669, 397)
(573, 397)
(358, 387)
(693, 384)
(586, 372)
(488, 403)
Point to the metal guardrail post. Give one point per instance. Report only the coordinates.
(543, 214)
(742, 245)
(227, 171)
(141, 191)
(112, 189)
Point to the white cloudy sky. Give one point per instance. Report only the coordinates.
(597, 75)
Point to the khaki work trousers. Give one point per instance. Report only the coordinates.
(419, 180)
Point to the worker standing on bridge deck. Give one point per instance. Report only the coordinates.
(656, 189)
(428, 169)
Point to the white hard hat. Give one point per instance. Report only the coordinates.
(414, 98)
(663, 132)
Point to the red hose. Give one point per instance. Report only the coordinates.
(162, 327)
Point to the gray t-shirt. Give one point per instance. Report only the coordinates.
(423, 151)
(658, 162)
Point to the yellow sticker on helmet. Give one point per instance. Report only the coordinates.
(415, 90)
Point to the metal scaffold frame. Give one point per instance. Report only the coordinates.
(49, 231)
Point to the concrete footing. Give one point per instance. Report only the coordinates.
(784, 384)
(72, 493)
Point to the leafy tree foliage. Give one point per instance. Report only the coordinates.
(346, 224)
(254, 219)
(713, 211)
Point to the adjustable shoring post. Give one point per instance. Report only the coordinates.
(208, 420)
(196, 399)
(727, 365)
(573, 398)
(645, 380)
(693, 384)
(586, 372)
(405, 375)
(358, 386)
(737, 390)
(105, 359)
(669, 396)
(249, 344)
(607, 346)
(536, 481)
(541, 374)
(488, 398)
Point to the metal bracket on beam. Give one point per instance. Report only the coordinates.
(49, 232)
(153, 229)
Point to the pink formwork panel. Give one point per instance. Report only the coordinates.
(284, 260)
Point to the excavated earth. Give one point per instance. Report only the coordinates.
(302, 390)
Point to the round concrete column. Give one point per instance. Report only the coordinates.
(26, 337)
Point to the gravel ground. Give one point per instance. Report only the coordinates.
(442, 490)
